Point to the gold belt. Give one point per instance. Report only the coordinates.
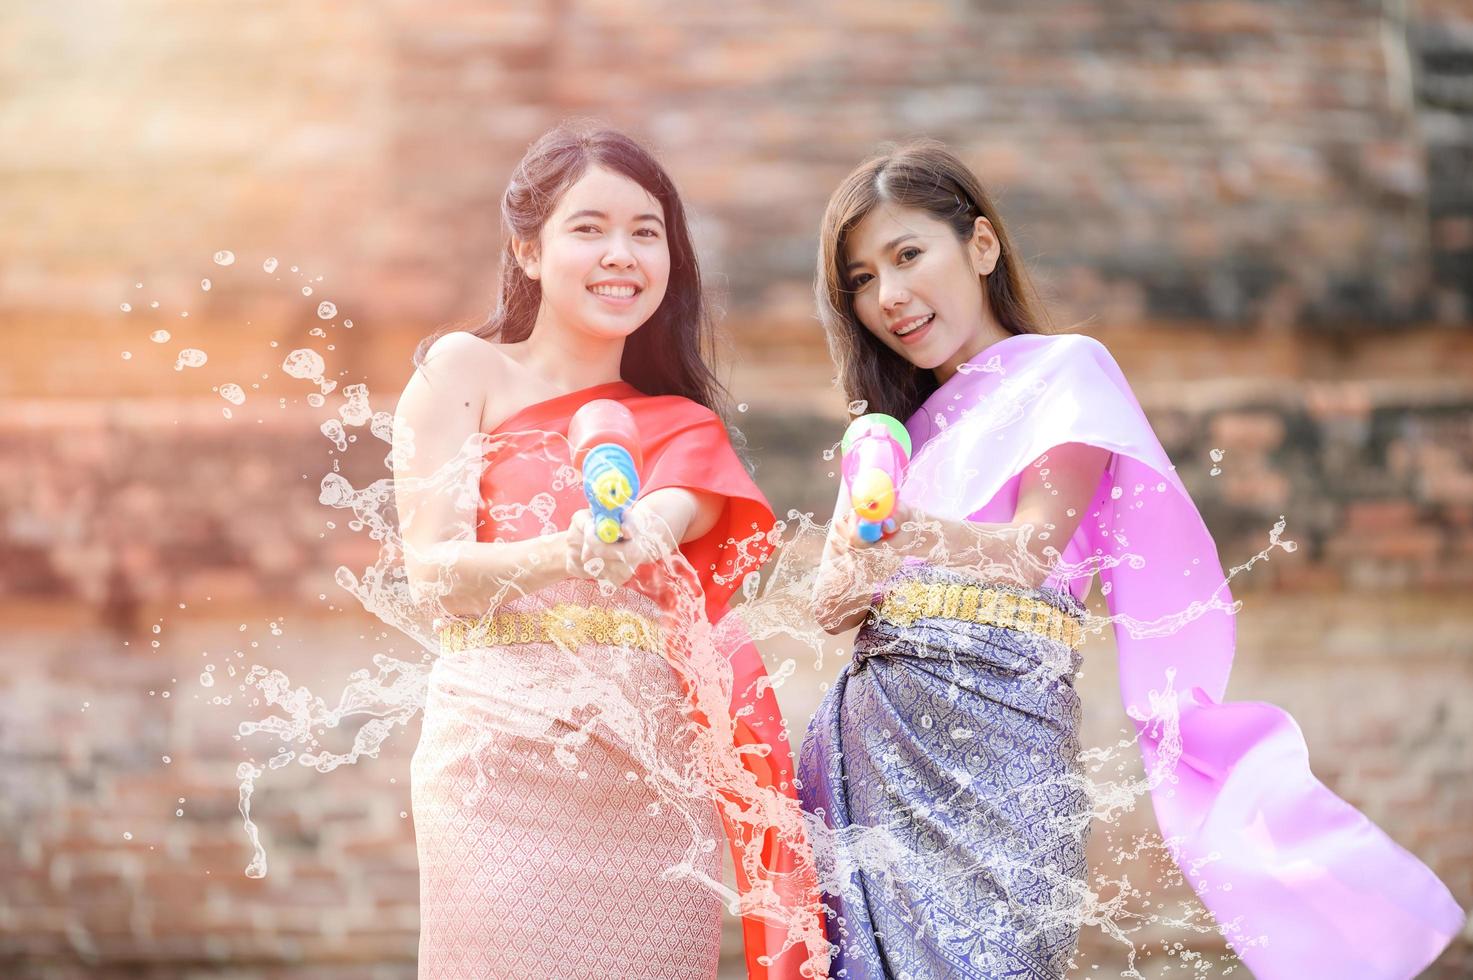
(564, 624)
(983, 604)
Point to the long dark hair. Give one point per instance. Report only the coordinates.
(920, 174)
(668, 354)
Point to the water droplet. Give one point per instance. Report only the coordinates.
(127, 835)
(233, 394)
(160, 336)
(126, 307)
(333, 429)
(306, 290)
(858, 407)
(304, 363)
(127, 355)
(206, 680)
(153, 305)
(205, 285)
(1215, 471)
(316, 400)
(326, 310)
(1115, 493)
(225, 257)
(191, 357)
(269, 265)
(167, 760)
(178, 813)
(348, 324)
(1217, 455)
(743, 407)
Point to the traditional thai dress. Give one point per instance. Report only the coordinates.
(583, 744)
(942, 770)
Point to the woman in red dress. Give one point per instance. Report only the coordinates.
(590, 723)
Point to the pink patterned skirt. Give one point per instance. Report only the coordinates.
(559, 829)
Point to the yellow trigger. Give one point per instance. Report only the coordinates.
(873, 495)
(612, 489)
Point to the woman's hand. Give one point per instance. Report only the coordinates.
(915, 534)
(646, 538)
(852, 567)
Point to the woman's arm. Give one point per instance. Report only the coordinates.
(847, 573)
(1052, 496)
(437, 473)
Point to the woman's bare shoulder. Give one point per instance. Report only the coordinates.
(455, 379)
(460, 354)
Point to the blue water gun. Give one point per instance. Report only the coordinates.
(605, 443)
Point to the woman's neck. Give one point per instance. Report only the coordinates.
(571, 359)
(990, 334)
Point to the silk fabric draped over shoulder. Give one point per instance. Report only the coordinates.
(1302, 883)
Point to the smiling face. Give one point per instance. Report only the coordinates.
(601, 258)
(916, 286)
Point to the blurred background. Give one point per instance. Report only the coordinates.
(1264, 209)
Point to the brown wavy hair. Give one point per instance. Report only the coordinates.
(924, 175)
(668, 354)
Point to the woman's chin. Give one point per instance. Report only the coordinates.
(922, 357)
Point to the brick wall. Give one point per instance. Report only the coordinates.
(1262, 208)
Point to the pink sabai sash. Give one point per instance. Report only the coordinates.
(1301, 882)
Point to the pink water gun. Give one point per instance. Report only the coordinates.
(876, 451)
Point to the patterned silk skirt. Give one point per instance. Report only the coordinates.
(941, 774)
(551, 803)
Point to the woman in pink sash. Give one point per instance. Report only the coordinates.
(590, 725)
(943, 767)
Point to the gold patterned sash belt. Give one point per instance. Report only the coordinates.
(910, 601)
(564, 624)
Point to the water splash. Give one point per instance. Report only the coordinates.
(247, 774)
(594, 703)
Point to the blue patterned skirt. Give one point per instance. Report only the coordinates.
(948, 805)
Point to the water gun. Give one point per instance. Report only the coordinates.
(876, 451)
(605, 443)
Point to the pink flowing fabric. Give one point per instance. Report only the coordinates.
(1303, 884)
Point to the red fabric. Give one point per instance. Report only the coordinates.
(529, 488)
